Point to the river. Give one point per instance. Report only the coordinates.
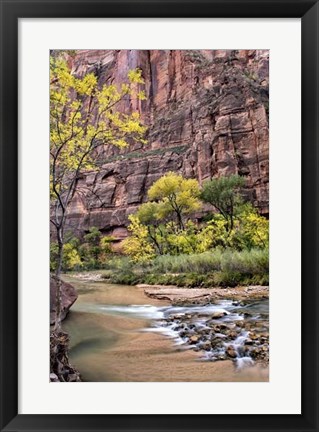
(119, 334)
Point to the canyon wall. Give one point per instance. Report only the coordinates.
(207, 113)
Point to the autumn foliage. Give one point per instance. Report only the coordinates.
(165, 225)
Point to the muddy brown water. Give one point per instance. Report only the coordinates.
(113, 346)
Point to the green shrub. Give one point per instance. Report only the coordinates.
(71, 258)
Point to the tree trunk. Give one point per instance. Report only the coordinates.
(180, 220)
(231, 214)
(231, 222)
(153, 238)
(58, 300)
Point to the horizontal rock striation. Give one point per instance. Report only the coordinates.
(207, 113)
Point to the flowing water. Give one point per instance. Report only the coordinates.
(119, 334)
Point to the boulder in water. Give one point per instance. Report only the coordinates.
(194, 339)
(207, 345)
(68, 294)
(218, 314)
(231, 352)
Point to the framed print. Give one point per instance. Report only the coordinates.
(159, 215)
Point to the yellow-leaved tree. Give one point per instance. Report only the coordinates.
(176, 195)
(84, 117)
(137, 245)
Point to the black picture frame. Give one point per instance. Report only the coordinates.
(11, 11)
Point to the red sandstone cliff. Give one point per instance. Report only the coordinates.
(207, 113)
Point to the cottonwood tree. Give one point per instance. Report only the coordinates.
(172, 197)
(177, 195)
(223, 194)
(150, 214)
(84, 117)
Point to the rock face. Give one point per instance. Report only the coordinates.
(69, 296)
(207, 113)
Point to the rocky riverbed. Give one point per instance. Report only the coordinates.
(219, 323)
(226, 330)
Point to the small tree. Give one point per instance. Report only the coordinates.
(137, 245)
(92, 239)
(176, 195)
(252, 230)
(223, 194)
(150, 214)
(83, 118)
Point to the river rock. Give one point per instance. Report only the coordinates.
(231, 352)
(206, 346)
(204, 331)
(194, 339)
(218, 314)
(253, 336)
(233, 335)
(68, 294)
(54, 377)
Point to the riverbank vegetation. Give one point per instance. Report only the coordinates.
(224, 268)
(169, 245)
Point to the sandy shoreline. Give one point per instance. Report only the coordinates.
(204, 295)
